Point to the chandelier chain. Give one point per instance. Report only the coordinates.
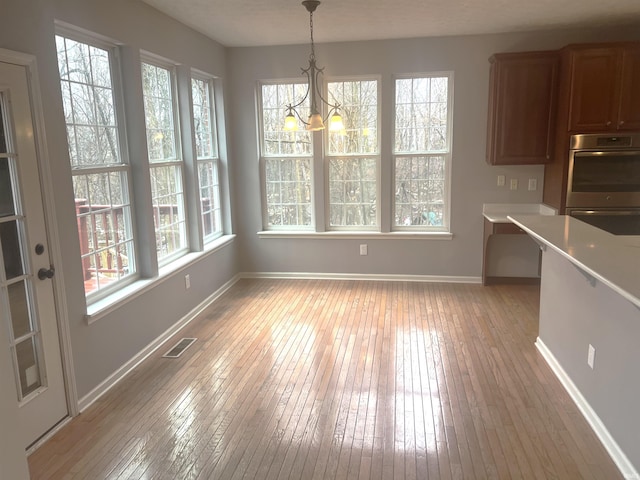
(313, 53)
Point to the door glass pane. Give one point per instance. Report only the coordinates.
(11, 249)
(19, 309)
(28, 366)
(6, 192)
(3, 141)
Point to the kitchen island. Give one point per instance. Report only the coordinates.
(589, 329)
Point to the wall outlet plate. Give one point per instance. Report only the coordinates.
(513, 184)
(363, 249)
(501, 180)
(533, 184)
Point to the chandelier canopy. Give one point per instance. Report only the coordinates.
(314, 121)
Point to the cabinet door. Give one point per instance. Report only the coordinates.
(629, 100)
(522, 108)
(592, 104)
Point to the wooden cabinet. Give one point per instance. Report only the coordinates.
(604, 90)
(522, 108)
(629, 101)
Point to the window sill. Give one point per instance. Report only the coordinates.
(357, 235)
(103, 307)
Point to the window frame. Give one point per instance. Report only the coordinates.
(264, 157)
(327, 157)
(214, 160)
(113, 50)
(446, 153)
(178, 162)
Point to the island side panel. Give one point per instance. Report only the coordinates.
(576, 311)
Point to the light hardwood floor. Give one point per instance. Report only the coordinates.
(319, 379)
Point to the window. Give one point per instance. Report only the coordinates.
(422, 152)
(204, 129)
(286, 159)
(99, 167)
(165, 163)
(353, 157)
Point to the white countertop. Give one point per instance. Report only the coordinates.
(499, 212)
(611, 259)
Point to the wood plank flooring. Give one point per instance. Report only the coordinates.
(320, 379)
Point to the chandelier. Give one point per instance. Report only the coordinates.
(314, 121)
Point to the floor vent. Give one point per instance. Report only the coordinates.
(179, 348)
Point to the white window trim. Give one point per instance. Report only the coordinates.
(158, 61)
(111, 46)
(447, 154)
(262, 159)
(209, 80)
(363, 235)
(377, 156)
(109, 304)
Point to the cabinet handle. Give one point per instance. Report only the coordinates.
(608, 123)
(621, 122)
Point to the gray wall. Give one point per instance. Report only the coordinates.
(101, 348)
(574, 315)
(473, 181)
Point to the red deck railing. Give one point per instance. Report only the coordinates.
(94, 228)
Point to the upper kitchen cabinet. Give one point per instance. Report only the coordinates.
(522, 108)
(604, 88)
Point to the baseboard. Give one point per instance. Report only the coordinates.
(490, 280)
(119, 374)
(360, 276)
(615, 452)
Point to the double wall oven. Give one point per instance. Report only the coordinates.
(604, 182)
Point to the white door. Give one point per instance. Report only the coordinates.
(30, 361)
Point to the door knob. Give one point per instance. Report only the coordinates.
(43, 273)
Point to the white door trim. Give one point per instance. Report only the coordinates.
(29, 62)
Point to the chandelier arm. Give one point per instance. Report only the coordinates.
(295, 112)
(332, 106)
(306, 95)
(314, 83)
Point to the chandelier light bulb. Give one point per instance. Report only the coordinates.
(315, 122)
(290, 123)
(336, 124)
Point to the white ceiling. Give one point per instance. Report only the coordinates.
(240, 23)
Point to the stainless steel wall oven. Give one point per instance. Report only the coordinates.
(604, 181)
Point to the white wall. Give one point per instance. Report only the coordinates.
(473, 181)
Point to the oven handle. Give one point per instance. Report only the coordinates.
(582, 211)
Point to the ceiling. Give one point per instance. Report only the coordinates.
(242, 23)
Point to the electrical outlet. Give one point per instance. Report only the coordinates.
(513, 184)
(187, 282)
(501, 180)
(363, 249)
(591, 356)
(533, 184)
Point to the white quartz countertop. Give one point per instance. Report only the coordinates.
(611, 259)
(499, 212)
